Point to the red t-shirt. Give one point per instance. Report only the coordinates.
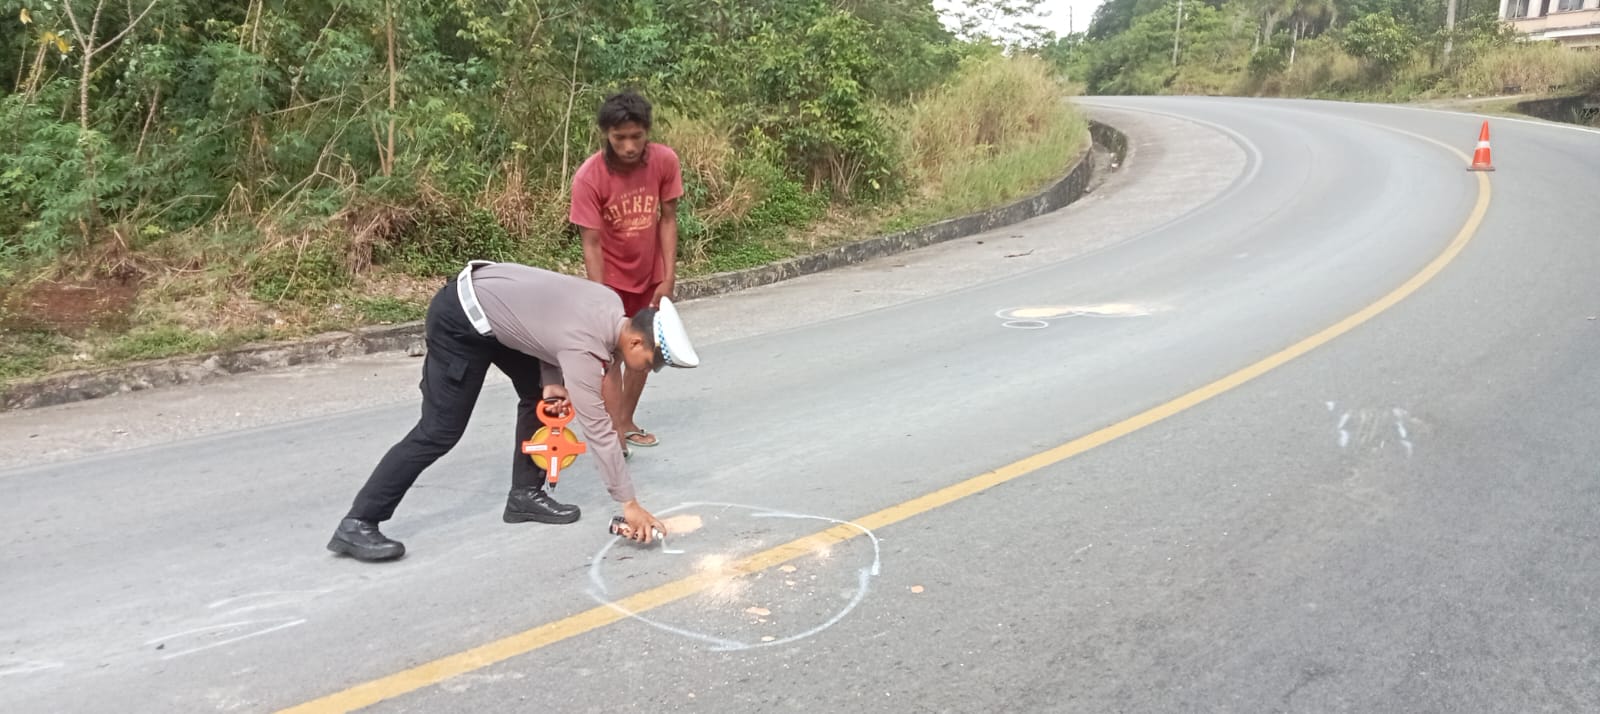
(626, 208)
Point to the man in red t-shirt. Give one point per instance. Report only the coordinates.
(625, 204)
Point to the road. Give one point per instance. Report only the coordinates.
(1294, 414)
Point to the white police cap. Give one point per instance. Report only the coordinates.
(672, 340)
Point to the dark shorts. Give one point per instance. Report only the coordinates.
(632, 303)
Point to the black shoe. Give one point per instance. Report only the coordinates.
(361, 540)
(533, 504)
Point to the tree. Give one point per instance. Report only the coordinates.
(1003, 22)
(1380, 40)
(1306, 15)
(90, 45)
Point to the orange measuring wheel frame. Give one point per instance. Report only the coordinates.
(554, 446)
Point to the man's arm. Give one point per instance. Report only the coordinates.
(667, 232)
(667, 228)
(594, 260)
(585, 213)
(583, 374)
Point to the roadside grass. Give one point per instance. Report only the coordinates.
(998, 130)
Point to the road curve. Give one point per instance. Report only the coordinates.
(1395, 515)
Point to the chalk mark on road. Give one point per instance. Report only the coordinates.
(864, 577)
(274, 598)
(27, 667)
(276, 625)
(1038, 317)
(1364, 426)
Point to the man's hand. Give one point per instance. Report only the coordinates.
(640, 522)
(663, 291)
(562, 405)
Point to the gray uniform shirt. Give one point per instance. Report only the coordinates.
(571, 326)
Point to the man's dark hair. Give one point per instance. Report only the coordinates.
(618, 109)
(623, 107)
(644, 321)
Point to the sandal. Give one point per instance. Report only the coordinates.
(628, 437)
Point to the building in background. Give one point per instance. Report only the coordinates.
(1573, 23)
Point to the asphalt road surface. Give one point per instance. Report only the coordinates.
(1293, 414)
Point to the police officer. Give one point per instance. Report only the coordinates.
(555, 336)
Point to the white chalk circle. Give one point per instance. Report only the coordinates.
(1038, 317)
(601, 593)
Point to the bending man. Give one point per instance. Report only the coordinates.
(555, 336)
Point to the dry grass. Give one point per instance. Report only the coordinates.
(705, 146)
(528, 204)
(507, 197)
(1001, 130)
(1535, 67)
(1320, 68)
(1325, 70)
(993, 107)
(840, 226)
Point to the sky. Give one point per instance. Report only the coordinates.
(1054, 13)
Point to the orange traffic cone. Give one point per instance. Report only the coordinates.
(1480, 158)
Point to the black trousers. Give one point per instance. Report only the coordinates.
(453, 370)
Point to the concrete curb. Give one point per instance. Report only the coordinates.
(1579, 109)
(83, 385)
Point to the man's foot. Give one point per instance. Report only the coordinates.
(533, 504)
(361, 540)
(640, 437)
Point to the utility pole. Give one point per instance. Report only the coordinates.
(1072, 29)
(1178, 32)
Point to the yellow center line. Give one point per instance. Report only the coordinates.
(439, 670)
